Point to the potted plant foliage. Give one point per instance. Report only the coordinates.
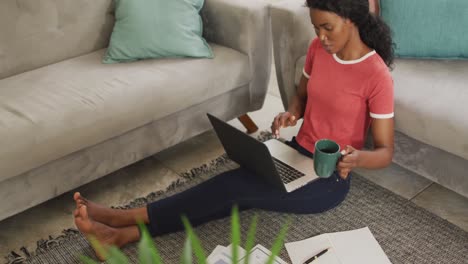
(148, 253)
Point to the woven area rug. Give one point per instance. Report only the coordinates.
(406, 232)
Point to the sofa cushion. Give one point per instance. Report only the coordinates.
(157, 29)
(36, 33)
(430, 102)
(428, 28)
(53, 111)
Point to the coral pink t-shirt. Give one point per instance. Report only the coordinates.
(343, 97)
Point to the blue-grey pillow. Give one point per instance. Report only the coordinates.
(428, 28)
(147, 29)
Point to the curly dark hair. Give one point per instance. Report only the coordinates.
(374, 32)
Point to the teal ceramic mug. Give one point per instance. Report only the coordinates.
(326, 156)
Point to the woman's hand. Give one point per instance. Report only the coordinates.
(284, 119)
(349, 161)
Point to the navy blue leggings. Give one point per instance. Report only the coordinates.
(214, 198)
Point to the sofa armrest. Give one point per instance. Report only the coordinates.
(243, 25)
(292, 34)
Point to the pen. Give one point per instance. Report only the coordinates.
(316, 256)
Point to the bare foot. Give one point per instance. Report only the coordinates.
(95, 211)
(106, 235)
(112, 217)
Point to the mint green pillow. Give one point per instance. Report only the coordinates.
(428, 28)
(147, 29)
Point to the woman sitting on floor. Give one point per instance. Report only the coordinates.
(345, 89)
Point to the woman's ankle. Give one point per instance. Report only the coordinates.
(126, 235)
(127, 217)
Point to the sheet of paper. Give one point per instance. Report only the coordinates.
(300, 251)
(358, 246)
(219, 256)
(240, 251)
(259, 255)
(348, 247)
(220, 259)
(223, 255)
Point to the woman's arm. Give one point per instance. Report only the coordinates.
(295, 111)
(380, 157)
(299, 100)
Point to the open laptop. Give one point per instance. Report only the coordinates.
(274, 161)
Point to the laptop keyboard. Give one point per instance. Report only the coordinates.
(286, 172)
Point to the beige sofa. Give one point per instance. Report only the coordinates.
(67, 119)
(431, 112)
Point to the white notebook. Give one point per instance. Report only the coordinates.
(349, 247)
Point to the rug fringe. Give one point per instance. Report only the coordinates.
(44, 245)
(209, 168)
(206, 169)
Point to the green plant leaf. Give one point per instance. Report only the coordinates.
(87, 260)
(199, 252)
(187, 253)
(116, 256)
(249, 244)
(147, 251)
(235, 233)
(278, 244)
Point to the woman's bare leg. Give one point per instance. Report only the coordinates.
(106, 235)
(112, 217)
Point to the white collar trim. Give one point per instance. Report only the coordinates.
(353, 61)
